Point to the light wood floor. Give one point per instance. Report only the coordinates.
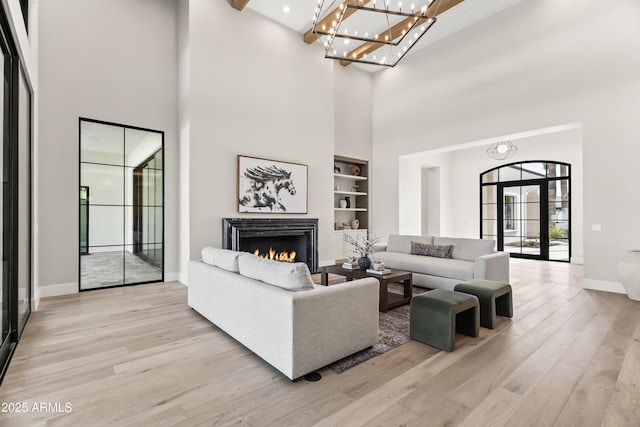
(139, 356)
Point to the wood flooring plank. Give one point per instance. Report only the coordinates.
(545, 401)
(141, 356)
(624, 407)
(494, 410)
(589, 400)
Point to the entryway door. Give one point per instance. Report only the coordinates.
(524, 230)
(525, 208)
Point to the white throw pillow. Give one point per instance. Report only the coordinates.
(222, 258)
(292, 276)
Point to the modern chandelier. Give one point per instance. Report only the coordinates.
(379, 34)
(501, 150)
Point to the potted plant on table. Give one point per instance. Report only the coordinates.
(363, 247)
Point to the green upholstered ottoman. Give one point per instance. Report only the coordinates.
(495, 299)
(437, 315)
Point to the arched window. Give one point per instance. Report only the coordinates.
(526, 208)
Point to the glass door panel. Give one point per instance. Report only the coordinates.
(123, 220)
(559, 219)
(521, 213)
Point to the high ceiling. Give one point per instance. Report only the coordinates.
(463, 14)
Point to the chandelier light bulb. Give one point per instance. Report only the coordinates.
(501, 150)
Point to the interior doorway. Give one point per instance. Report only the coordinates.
(526, 208)
(121, 236)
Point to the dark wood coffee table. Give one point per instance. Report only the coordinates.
(387, 299)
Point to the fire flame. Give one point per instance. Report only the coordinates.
(277, 256)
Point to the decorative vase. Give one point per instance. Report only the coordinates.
(348, 200)
(629, 272)
(364, 263)
(343, 204)
(355, 170)
(355, 224)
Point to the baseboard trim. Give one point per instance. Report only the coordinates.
(183, 278)
(57, 290)
(171, 277)
(577, 260)
(603, 285)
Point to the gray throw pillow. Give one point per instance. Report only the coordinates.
(438, 251)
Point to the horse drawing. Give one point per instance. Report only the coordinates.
(265, 185)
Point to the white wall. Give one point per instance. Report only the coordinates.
(112, 60)
(537, 64)
(353, 101)
(255, 89)
(184, 55)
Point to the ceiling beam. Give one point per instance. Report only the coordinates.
(310, 36)
(239, 4)
(436, 8)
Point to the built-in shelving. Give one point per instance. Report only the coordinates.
(352, 186)
(353, 177)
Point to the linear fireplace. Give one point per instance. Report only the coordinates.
(276, 235)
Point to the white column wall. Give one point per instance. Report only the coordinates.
(255, 89)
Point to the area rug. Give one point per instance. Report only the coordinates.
(393, 331)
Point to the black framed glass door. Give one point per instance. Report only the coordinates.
(117, 247)
(15, 269)
(526, 208)
(522, 231)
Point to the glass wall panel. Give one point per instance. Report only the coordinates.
(101, 143)
(24, 199)
(490, 227)
(489, 194)
(533, 171)
(491, 176)
(490, 211)
(4, 292)
(510, 173)
(15, 196)
(105, 182)
(122, 167)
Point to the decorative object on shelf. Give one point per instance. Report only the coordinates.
(391, 30)
(355, 224)
(355, 188)
(343, 203)
(363, 248)
(351, 263)
(271, 186)
(355, 170)
(348, 200)
(336, 169)
(629, 272)
(502, 150)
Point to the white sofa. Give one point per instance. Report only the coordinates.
(298, 329)
(470, 259)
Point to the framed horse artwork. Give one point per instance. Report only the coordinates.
(271, 186)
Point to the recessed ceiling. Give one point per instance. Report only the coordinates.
(459, 17)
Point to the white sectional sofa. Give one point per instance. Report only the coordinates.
(275, 310)
(469, 259)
